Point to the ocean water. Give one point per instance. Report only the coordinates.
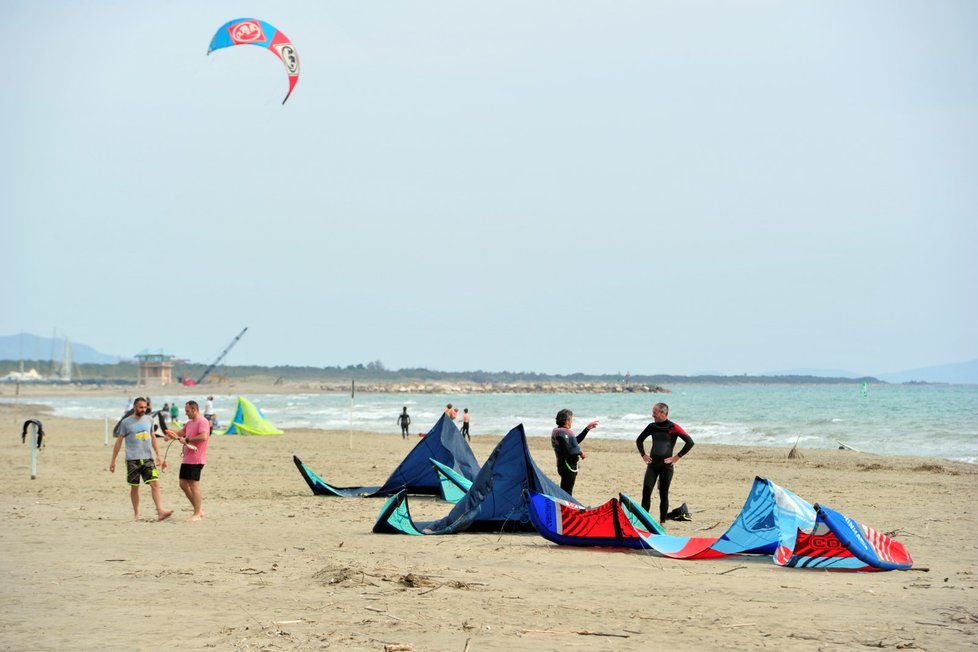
(926, 420)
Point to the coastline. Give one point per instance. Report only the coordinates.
(267, 386)
(278, 567)
(891, 420)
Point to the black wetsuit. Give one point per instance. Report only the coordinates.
(405, 421)
(568, 454)
(664, 436)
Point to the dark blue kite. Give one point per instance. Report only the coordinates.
(415, 475)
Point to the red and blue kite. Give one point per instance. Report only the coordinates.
(251, 31)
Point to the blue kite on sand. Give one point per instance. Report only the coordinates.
(496, 501)
(416, 475)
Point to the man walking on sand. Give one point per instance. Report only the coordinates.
(141, 450)
(194, 435)
(405, 421)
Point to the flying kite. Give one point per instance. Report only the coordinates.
(251, 31)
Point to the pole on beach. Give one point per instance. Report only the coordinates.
(353, 392)
(33, 429)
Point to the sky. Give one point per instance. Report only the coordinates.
(651, 187)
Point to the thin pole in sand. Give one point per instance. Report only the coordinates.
(353, 392)
(33, 429)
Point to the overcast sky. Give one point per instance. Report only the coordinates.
(559, 186)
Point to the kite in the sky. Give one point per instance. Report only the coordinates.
(251, 31)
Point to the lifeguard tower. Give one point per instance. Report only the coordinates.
(155, 367)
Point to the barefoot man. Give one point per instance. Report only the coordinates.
(194, 436)
(141, 450)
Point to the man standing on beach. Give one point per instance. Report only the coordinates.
(194, 436)
(209, 410)
(465, 424)
(659, 462)
(404, 420)
(141, 450)
(567, 448)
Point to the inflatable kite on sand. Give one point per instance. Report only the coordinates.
(249, 420)
(773, 521)
(496, 500)
(619, 523)
(444, 443)
(251, 31)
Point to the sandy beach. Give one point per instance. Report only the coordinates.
(273, 567)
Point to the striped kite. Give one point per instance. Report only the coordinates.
(251, 31)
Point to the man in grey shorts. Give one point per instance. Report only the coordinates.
(141, 451)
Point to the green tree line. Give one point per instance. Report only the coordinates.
(127, 372)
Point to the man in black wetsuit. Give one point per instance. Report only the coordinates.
(567, 448)
(660, 459)
(404, 421)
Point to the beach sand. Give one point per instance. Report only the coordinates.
(273, 567)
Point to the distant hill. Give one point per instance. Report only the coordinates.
(960, 373)
(818, 373)
(25, 346)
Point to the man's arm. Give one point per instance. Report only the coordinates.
(640, 440)
(201, 435)
(115, 453)
(588, 428)
(687, 444)
(156, 449)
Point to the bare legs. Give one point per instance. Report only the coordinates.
(191, 489)
(134, 496)
(161, 514)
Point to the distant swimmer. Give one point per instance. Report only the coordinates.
(660, 460)
(465, 424)
(567, 448)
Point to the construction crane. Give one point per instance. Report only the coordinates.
(216, 362)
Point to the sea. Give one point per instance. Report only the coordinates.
(924, 420)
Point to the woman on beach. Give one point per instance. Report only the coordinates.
(567, 448)
(660, 460)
